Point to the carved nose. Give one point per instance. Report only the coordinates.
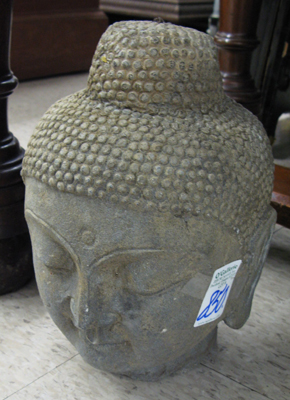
(104, 324)
(79, 313)
(96, 316)
(84, 319)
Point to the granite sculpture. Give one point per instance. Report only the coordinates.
(148, 203)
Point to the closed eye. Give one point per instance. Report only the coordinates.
(117, 255)
(57, 268)
(54, 257)
(54, 253)
(157, 292)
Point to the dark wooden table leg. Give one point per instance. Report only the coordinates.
(281, 195)
(15, 248)
(236, 40)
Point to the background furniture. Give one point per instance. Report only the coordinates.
(15, 249)
(281, 195)
(236, 40)
(51, 37)
(193, 13)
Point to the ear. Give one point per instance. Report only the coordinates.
(241, 296)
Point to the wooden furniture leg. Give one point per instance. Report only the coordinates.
(236, 40)
(281, 195)
(15, 249)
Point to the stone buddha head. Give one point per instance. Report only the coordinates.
(147, 200)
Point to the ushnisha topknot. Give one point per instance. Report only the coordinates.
(145, 66)
(154, 130)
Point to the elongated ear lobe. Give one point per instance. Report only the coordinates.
(241, 296)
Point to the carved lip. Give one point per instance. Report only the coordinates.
(105, 346)
(96, 343)
(112, 344)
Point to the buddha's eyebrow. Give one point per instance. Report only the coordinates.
(127, 252)
(57, 236)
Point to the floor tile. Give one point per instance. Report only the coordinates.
(30, 344)
(76, 380)
(31, 99)
(277, 228)
(279, 254)
(281, 146)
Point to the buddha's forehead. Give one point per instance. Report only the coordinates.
(92, 224)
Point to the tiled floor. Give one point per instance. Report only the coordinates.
(37, 362)
(281, 147)
(31, 99)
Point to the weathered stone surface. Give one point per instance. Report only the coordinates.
(138, 189)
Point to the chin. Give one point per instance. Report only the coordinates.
(129, 368)
(115, 362)
(128, 365)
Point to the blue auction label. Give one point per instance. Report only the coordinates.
(217, 294)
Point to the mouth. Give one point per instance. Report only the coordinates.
(111, 347)
(111, 344)
(97, 344)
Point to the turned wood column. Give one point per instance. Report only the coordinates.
(15, 249)
(236, 40)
